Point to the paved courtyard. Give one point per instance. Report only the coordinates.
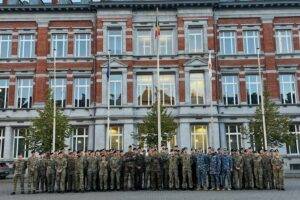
(292, 193)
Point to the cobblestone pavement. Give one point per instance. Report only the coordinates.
(292, 192)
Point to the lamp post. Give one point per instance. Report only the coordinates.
(262, 100)
(54, 101)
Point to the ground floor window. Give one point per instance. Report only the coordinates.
(2, 138)
(79, 141)
(233, 136)
(19, 142)
(294, 147)
(199, 137)
(116, 137)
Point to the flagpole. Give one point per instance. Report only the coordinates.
(158, 86)
(54, 102)
(211, 95)
(108, 102)
(262, 100)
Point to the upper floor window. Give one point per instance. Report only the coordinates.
(166, 45)
(82, 92)
(24, 93)
(294, 147)
(233, 136)
(27, 46)
(3, 93)
(167, 89)
(60, 44)
(144, 42)
(115, 89)
(253, 89)
(195, 39)
(251, 41)
(5, 46)
(227, 42)
(114, 40)
(287, 88)
(284, 41)
(82, 45)
(230, 90)
(144, 90)
(197, 88)
(59, 91)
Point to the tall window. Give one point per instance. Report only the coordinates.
(114, 40)
(3, 93)
(79, 139)
(144, 43)
(253, 89)
(287, 88)
(60, 43)
(227, 42)
(199, 137)
(166, 46)
(19, 142)
(284, 41)
(195, 39)
(294, 147)
(167, 86)
(230, 90)
(59, 88)
(233, 136)
(82, 92)
(116, 137)
(144, 90)
(251, 41)
(24, 93)
(82, 45)
(197, 88)
(2, 140)
(27, 46)
(5, 46)
(116, 89)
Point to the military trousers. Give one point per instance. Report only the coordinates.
(115, 179)
(226, 180)
(61, 181)
(41, 181)
(91, 180)
(32, 179)
(248, 179)
(238, 179)
(18, 178)
(155, 180)
(267, 179)
(165, 176)
(103, 178)
(258, 178)
(278, 179)
(201, 178)
(215, 181)
(129, 175)
(187, 178)
(173, 178)
(50, 182)
(138, 179)
(79, 183)
(71, 181)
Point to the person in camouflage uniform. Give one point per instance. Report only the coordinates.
(277, 166)
(214, 170)
(71, 163)
(129, 160)
(79, 172)
(248, 169)
(103, 173)
(165, 167)
(226, 170)
(257, 170)
(19, 173)
(238, 165)
(50, 172)
(61, 165)
(139, 169)
(186, 170)
(115, 164)
(202, 166)
(173, 170)
(92, 172)
(155, 170)
(41, 183)
(267, 170)
(32, 166)
(147, 171)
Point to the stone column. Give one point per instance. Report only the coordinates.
(214, 135)
(99, 137)
(127, 135)
(91, 137)
(184, 135)
(8, 144)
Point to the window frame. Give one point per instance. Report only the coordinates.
(75, 136)
(55, 40)
(297, 140)
(197, 93)
(138, 36)
(237, 134)
(201, 35)
(16, 146)
(9, 44)
(293, 85)
(288, 37)
(256, 83)
(87, 89)
(19, 92)
(22, 47)
(119, 134)
(87, 45)
(6, 90)
(167, 85)
(222, 42)
(114, 83)
(63, 89)
(114, 28)
(255, 38)
(150, 92)
(167, 38)
(225, 89)
(204, 136)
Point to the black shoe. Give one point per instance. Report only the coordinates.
(22, 192)
(13, 193)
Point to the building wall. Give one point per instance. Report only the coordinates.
(181, 63)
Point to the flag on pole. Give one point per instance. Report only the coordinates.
(157, 28)
(108, 70)
(209, 65)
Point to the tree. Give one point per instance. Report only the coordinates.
(39, 137)
(277, 126)
(147, 130)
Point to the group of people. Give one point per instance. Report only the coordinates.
(138, 169)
